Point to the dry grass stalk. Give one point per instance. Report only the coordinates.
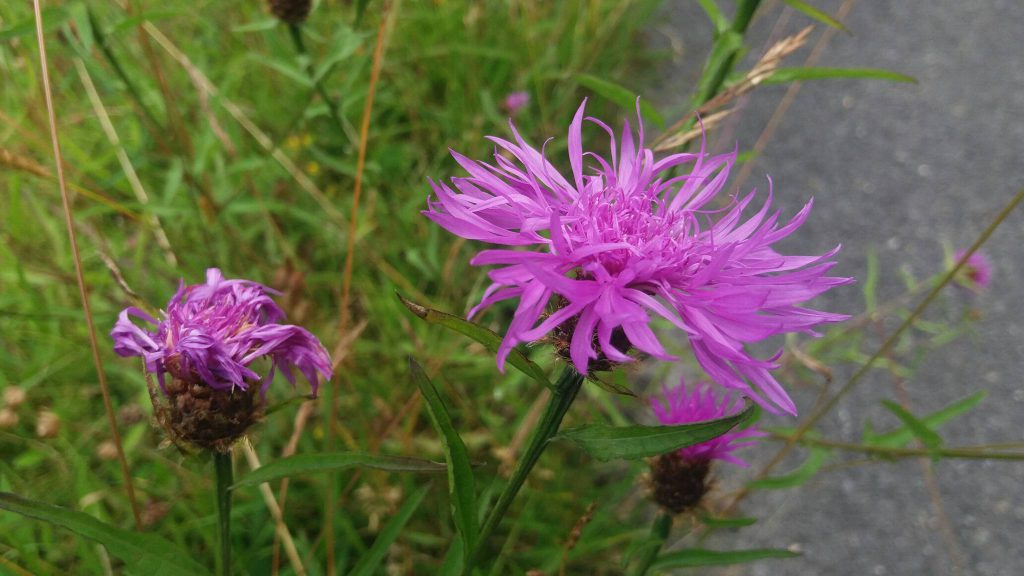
(80, 276)
(122, 157)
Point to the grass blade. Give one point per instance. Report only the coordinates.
(621, 96)
(303, 464)
(143, 553)
(816, 14)
(370, 561)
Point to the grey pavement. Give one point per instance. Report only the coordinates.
(904, 170)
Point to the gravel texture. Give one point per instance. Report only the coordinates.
(908, 171)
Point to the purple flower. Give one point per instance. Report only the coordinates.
(678, 406)
(515, 101)
(623, 240)
(212, 333)
(977, 271)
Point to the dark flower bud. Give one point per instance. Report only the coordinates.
(677, 483)
(291, 11)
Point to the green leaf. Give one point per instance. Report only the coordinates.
(805, 472)
(718, 19)
(344, 44)
(611, 386)
(900, 436)
(256, 26)
(147, 554)
(302, 464)
(784, 75)
(931, 440)
(620, 95)
(53, 17)
(370, 561)
(816, 14)
(490, 340)
(699, 557)
(727, 522)
(628, 442)
(461, 487)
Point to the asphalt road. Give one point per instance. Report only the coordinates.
(904, 170)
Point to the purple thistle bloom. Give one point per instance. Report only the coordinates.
(623, 241)
(677, 406)
(212, 332)
(515, 101)
(977, 271)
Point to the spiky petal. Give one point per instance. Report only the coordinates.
(621, 241)
(211, 333)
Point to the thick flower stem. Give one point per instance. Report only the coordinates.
(566, 388)
(222, 467)
(659, 533)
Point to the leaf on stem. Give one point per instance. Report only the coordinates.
(461, 486)
(490, 340)
(805, 472)
(928, 437)
(621, 96)
(302, 464)
(816, 14)
(143, 553)
(629, 442)
(899, 437)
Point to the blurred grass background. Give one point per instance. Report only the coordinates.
(221, 199)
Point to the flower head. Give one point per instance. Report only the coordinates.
(622, 240)
(207, 339)
(515, 101)
(212, 332)
(702, 402)
(976, 272)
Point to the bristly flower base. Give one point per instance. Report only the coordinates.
(197, 417)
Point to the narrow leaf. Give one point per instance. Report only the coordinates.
(816, 14)
(371, 560)
(727, 522)
(805, 472)
(871, 282)
(461, 487)
(900, 436)
(303, 464)
(629, 442)
(718, 19)
(784, 75)
(931, 440)
(490, 340)
(699, 557)
(620, 95)
(143, 553)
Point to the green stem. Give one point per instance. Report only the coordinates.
(659, 533)
(332, 108)
(101, 41)
(720, 65)
(566, 388)
(222, 467)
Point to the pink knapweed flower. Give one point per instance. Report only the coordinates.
(704, 401)
(210, 334)
(622, 240)
(515, 101)
(977, 271)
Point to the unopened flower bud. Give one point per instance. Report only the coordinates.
(291, 11)
(8, 418)
(47, 424)
(14, 396)
(679, 484)
(107, 450)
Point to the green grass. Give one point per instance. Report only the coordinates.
(224, 201)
